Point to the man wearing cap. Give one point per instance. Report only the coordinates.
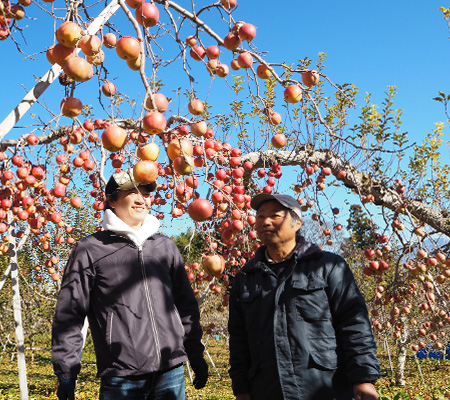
(299, 327)
(130, 282)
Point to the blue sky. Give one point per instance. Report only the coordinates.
(370, 44)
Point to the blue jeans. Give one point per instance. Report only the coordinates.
(161, 385)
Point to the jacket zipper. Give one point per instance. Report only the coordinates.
(111, 330)
(150, 307)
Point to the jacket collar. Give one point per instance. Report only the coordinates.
(303, 250)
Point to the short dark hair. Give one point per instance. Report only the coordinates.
(111, 198)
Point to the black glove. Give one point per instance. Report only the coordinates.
(66, 389)
(200, 368)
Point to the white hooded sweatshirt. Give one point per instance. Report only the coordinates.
(112, 222)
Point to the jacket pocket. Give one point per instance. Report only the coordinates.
(325, 360)
(109, 329)
(178, 318)
(120, 343)
(251, 302)
(248, 296)
(311, 300)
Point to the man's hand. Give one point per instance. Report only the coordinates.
(243, 396)
(66, 389)
(200, 368)
(365, 391)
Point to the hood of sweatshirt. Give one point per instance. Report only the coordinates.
(111, 222)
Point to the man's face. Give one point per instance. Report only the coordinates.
(132, 206)
(274, 224)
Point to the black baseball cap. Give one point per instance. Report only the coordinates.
(124, 180)
(284, 199)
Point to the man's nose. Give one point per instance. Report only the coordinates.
(139, 199)
(264, 221)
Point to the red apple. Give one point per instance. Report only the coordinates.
(90, 44)
(178, 146)
(247, 32)
(114, 138)
(231, 41)
(197, 52)
(78, 69)
(71, 107)
(191, 40)
(145, 171)
(154, 122)
(279, 140)
(263, 72)
(128, 48)
(195, 107)
(149, 151)
(133, 3)
(200, 210)
(110, 40)
(147, 15)
(76, 202)
(68, 33)
(109, 89)
(310, 78)
(245, 60)
(213, 265)
(212, 52)
(229, 4)
(60, 53)
(160, 101)
(293, 94)
(32, 139)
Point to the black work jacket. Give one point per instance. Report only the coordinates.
(142, 312)
(306, 332)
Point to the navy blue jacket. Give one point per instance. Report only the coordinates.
(304, 335)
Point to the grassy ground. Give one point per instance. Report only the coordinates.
(42, 383)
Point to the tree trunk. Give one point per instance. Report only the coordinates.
(401, 361)
(402, 353)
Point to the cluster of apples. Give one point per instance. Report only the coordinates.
(25, 199)
(412, 301)
(71, 37)
(245, 32)
(413, 298)
(10, 12)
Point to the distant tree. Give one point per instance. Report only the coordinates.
(191, 245)
(361, 228)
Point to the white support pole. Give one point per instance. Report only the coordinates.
(8, 270)
(20, 338)
(5, 276)
(31, 97)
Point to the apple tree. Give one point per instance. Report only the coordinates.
(182, 95)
